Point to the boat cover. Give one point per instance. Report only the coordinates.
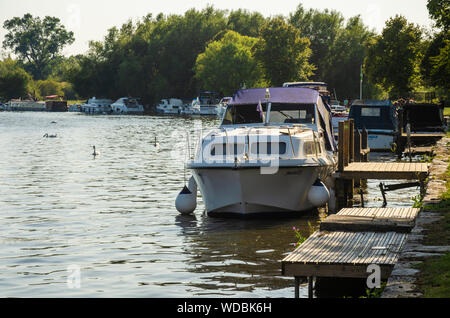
(288, 95)
(384, 120)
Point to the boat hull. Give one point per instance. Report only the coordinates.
(247, 192)
(380, 141)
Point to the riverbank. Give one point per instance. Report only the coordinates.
(423, 266)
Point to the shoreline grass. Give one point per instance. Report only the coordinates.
(434, 277)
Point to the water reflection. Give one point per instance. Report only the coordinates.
(234, 256)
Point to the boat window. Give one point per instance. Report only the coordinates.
(292, 113)
(221, 149)
(309, 148)
(268, 148)
(244, 114)
(370, 112)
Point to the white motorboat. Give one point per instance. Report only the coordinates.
(380, 120)
(206, 103)
(25, 105)
(338, 113)
(127, 105)
(170, 106)
(273, 152)
(222, 106)
(96, 106)
(74, 108)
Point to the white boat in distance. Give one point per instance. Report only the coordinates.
(272, 151)
(127, 105)
(206, 103)
(169, 106)
(95, 106)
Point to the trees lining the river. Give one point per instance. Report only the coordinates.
(178, 55)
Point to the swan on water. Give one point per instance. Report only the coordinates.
(156, 144)
(95, 153)
(49, 136)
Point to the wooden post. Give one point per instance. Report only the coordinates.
(341, 146)
(297, 287)
(357, 148)
(351, 141)
(346, 142)
(364, 142)
(310, 287)
(341, 194)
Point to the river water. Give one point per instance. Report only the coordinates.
(75, 225)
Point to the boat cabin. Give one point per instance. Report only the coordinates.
(281, 106)
(422, 117)
(373, 115)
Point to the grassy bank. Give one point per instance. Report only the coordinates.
(434, 277)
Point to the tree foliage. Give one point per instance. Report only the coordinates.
(35, 41)
(439, 11)
(14, 80)
(283, 54)
(245, 22)
(322, 28)
(228, 63)
(393, 57)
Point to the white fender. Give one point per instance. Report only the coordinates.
(318, 195)
(186, 201)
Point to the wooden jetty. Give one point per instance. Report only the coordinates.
(371, 219)
(340, 249)
(354, 238)
(353, 165)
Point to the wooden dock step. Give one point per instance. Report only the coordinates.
(419, 150)
(344, 254)
(384, 170)
(400, 220)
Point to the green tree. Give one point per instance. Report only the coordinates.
(322, 28)
(15, 82)
(343, 73)
(245, 22)
(435, 66)
(439, 11)
(393, 57)
(49, 87)
(228, 63)
(283, 54)
(36, 41)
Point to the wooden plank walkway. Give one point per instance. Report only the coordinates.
(424, 135)
(418, 150)
(400, 220)
(344, 254)
(348, 242)
(384, 170)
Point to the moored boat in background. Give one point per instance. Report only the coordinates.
(127, 105)
(379, 118)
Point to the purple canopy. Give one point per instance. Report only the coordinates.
(288, 95)
(285, 95)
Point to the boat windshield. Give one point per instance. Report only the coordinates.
(279, 114)
(291, 114)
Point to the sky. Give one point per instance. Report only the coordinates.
(90, 19)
